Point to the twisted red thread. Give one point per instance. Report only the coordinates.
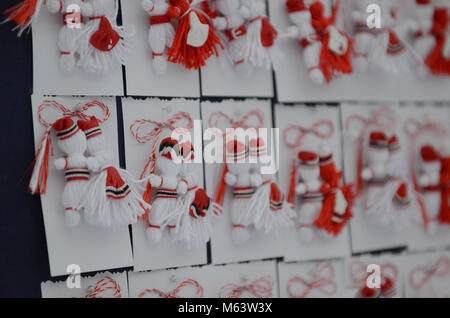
(260, 288)
(107, 283)
(440, 269)
(242, 123)
(174, 294)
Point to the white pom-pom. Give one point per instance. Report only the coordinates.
(230, 179)
(255, 180)
(153, 235)
(72, 218)
(147, 5)
(160, 64)
(60, 163)
(301, 188)
(324, 150)
(317, 76)
(67, 62)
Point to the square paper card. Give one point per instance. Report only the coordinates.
(89, 247)
(165, 252)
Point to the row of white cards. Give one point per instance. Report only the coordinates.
(413, 275)
(292, 81)
(95, 249)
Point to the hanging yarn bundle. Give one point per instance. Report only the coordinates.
(195, 39)
(324, 203)
(24, 14)
(178, 199)
(259, 288)
(433, 175)
(105, 45)
(103, 287)
(327, 50)
(113, 198)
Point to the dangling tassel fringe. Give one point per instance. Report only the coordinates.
(24, 13)
(219, 196)
(38, 181)
(292, 197)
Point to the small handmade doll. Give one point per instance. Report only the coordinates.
(104, 44)
(327, 50)
(161, 33)
(195, 38)
(112, 197)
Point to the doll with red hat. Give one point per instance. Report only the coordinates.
(430, 183)
(195, 224)
(113, 197)
(105, 44)
(195, 39)
(271, 213)
(338, 202)
(161, 33)
(327, 50)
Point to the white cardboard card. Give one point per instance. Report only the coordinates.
(357, 270)
(211, 278)
(294, 85)
(259, 246)
(321, 247)
(49, 78)
(141, 79)
(417, 237)
(324, 279)
(69, 288)
(427, 275)
(90, 247)
(365, 235)
(166, 253)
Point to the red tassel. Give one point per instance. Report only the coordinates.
(147, 196)
(292, 184)
(268, 33)
(23, 12)
(219, 195)
(444, 213)
(38, 181)
(332, 64)
(106, 38)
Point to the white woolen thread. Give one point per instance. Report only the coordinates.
(97, 61)
(160, 36)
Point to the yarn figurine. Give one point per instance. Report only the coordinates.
(72, 29)
(112, 196)
(105, 45)
(161, 33)
(327, 50)
(195, 38)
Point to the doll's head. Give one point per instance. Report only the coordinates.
(430, 163)
(237, 157)
(168, 161)
(71, 140)
(298, 11)
(378, 150)
(308, 166)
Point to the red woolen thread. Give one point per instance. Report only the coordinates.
(441, 268)
(103, 285)
(414, 129)
(323, 279)
(199, 291)
(259, 288)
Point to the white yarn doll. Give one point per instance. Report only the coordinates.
(327, 50)
(233, 24)
(238, 174)
(312, 191)
(261, 48)
(105, 45)
(429, 181)
(364, 37)
(72, 141)
(271, 213)
(70, 33)
(112, 197)
(375, 174)
(194, 228)
(161, 33)
(165, 208)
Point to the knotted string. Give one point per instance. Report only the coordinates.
(174, 294)
(107, 283)
(440, 269)
(414, 129)
(322, 279)
(385, 118)
(244, 122)
(259, 288)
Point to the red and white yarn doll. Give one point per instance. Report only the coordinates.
(73, 27)
(429, 180)
(271, 213)
(161, 33)
(195, 225)
(163, 169)
(238, 174)
(338, 202)
(195, 38)
(391, 53)
(327, 50)
(113, 198)
(105, 45)
(436, 52)
(261, 49)
(234, 26)
(24, 14)
(364, 37)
